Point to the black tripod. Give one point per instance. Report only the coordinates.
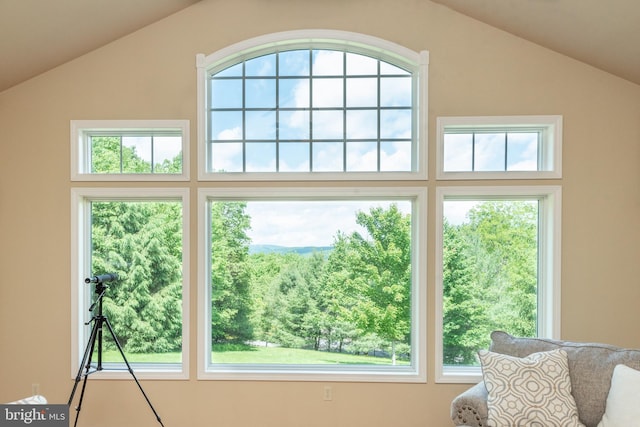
(96, 334)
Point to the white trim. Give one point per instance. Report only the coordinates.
(549, 274)
(416, 372)
(81, 268)
(422, 145)
(551, 159)
(318, 38)
(81, 163)
(354, 42)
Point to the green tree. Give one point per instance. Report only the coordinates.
(169, 165)
(464, 323)
(489, 277)
(141, 242)
(372, 279)
(108, 155)
(264, 272)
(230, 280)
(505, 234)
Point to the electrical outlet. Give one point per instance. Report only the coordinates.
(328, 393)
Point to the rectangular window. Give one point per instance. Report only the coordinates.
(129, 150)
(498, 265)
(313, 284)
(140, 236)
(511, 147)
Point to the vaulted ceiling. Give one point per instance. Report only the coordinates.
(38, 35)
(602, 33)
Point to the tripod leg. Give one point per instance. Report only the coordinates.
(85, 365)
(79, 407)
(115, 339)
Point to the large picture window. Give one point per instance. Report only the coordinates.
(299, 286)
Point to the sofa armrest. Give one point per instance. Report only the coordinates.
(31, 400)
(470, 407)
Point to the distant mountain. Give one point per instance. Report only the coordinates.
(302, 250)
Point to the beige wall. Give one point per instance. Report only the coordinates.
(474, 70)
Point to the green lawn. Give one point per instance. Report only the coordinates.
(280, 355)
(114, 356)
(250, 354)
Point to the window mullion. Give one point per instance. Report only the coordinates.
(473, 151)
(244, 116)
(121, 155)
(344, 111)
(311, 109)
(277, 94)
(379, 116)
(153, 165)
(506, 146)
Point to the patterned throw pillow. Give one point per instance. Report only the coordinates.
(530, 391)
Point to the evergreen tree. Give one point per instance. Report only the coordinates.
(141, 242)
(489, 277)
(464, 319)
(230, 280)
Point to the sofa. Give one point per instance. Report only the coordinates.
(36, 399)
(590, 372)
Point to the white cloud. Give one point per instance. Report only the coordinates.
(396, 156)
(231, 133)
(303, 223)
(227, 157)
(456, 211)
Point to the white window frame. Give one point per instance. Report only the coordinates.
(416, 372)
(549, 269)
(550, 156)
(353, 42)
(81, 268)
(81, 131)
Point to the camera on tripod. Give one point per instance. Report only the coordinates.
(109, 277)
(95, 342)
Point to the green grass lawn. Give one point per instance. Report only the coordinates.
(251, 354)
(280, 355)
(113, 356)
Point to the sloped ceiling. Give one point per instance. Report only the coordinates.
(602, 33)
(38, 35)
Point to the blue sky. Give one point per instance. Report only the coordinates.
(306, 109)
(522, 150)
(303, 223)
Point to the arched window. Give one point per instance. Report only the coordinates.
(312, 105)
